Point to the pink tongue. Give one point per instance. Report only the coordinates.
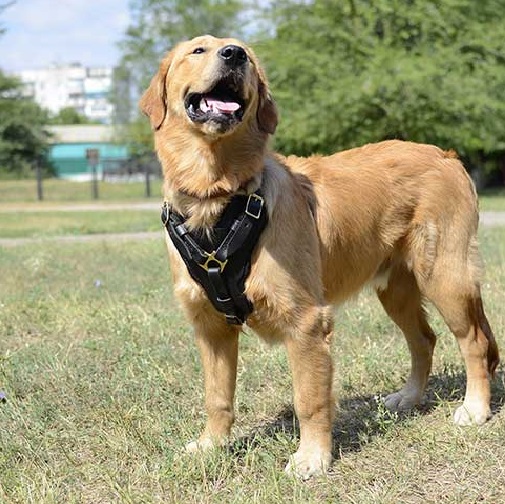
(218, 106)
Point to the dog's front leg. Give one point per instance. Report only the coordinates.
(311, 365)
(218, 345)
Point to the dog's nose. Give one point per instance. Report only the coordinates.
(233, 55)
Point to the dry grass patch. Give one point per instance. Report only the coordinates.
(104, 388)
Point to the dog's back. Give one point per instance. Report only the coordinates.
(386, 202)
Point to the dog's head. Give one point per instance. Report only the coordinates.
(214, 84)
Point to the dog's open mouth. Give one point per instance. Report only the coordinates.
(222, 104)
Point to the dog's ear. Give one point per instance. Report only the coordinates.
(153, 102)
(267, 110)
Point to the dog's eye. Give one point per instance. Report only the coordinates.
(199, 50)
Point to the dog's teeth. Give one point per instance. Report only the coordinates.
(204, 106)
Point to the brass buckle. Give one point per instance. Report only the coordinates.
(256, 198)
(211, 258)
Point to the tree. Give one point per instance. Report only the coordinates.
(23, 139)
(68, 115)
(347, 73)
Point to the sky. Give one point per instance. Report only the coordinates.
(39, 33)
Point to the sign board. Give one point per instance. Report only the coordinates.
(92, 155)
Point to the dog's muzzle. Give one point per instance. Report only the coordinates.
(223, 104)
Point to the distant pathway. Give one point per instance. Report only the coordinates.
(487, 219)
(77, 207)
(98, 237)
(492, 218)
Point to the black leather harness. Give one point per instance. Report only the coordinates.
(220, 261)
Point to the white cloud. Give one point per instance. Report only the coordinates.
(41, 32)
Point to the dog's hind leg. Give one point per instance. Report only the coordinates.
(451, 282)
(218, 345)
(464, 314)
(403, 303)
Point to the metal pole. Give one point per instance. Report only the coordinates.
(148, 181)
(38, 171)
(93, 157)
(94, 181)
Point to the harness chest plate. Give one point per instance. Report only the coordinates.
(220, 261)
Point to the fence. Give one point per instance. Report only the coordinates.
(105, 176)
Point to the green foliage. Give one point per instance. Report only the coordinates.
(23, 139)
(68, 115)
(139, 137)
(347, 73)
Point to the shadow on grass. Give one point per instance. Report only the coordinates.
(450, 386)
(360, 419)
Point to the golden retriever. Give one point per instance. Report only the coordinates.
(397, 215)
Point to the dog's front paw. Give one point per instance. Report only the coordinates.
(468, 414)
(307, 463)
(202, 445)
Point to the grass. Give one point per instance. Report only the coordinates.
(55, 223)
(104, 388)
(23, 217)
(492, 200)
(58, 190)
(64, 191)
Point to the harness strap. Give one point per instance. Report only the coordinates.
(223, 270)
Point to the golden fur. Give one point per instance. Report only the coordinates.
(399, 215)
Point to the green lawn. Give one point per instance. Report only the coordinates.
(104, 388)
(57, 223)
(492, 199)
(21, 216)
(58, 190)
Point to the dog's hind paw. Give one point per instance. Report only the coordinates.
(466, 415)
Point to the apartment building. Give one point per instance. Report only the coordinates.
(86, 89)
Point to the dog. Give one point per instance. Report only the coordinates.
(396, 215)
